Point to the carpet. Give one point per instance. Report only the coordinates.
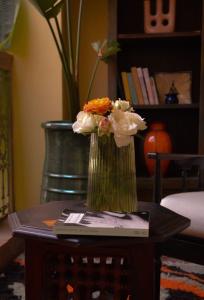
(12, 281)
(180, 280)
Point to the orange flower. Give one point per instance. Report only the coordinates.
(98, 106)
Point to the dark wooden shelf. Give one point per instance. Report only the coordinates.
(168, 106)
(178, 51)
(135, 36)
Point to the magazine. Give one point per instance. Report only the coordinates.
(104, 223)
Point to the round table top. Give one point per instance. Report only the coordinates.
(37, 222)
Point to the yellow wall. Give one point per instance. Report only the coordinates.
(37, 93)
(94, 28)
(36, 98)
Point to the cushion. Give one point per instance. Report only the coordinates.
(190, 205)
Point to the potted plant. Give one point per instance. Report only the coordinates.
(66, 155)
(69, 54)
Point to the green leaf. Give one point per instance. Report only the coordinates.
(53, 12)
(111, 49)
(106, 49)
(48, 7)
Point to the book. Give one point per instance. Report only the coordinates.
(132, 89)
(120, 89)
(126, 85)
(148, 85)
(154, 90)
(143, 87)
(138, 88)
(103, 223)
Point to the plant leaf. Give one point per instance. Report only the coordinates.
(44, 6)
(111, 49)
(53, 12)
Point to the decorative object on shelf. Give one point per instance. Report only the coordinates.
(182, 81)
(112, 174)
(162, 19)
(171, 96)
(157, 139)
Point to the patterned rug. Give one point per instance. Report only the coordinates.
(179, 280)
(12, 281)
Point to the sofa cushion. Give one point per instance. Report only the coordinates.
(190, 205)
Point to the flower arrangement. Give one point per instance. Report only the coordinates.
(107, 117)
(69, 55)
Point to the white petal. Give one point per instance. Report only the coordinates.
(122, 140)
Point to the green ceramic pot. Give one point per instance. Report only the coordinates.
(66, 162)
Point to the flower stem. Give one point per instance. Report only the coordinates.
(92, 78)
(93, 75)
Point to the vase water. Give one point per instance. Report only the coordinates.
(111, 175)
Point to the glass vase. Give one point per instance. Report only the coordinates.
(111, 175)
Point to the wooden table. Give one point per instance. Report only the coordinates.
(79, 266)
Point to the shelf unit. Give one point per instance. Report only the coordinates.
(181, 50)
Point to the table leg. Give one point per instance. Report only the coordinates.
(143, 272)
(33, 270)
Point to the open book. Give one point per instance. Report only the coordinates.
(103, 223)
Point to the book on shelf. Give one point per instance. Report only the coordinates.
(103, 223)
(125, 85)
(137, 85)
(143, 86)
(148, 85)
(154, 90)
(132, 89)
(120, 87)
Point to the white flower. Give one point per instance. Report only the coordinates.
(121, 104)
(124, 125)
(120, 120)
(122, 140)
(85, 123)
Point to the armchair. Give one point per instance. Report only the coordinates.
(189, 202)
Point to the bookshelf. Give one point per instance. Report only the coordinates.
(178, 51)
